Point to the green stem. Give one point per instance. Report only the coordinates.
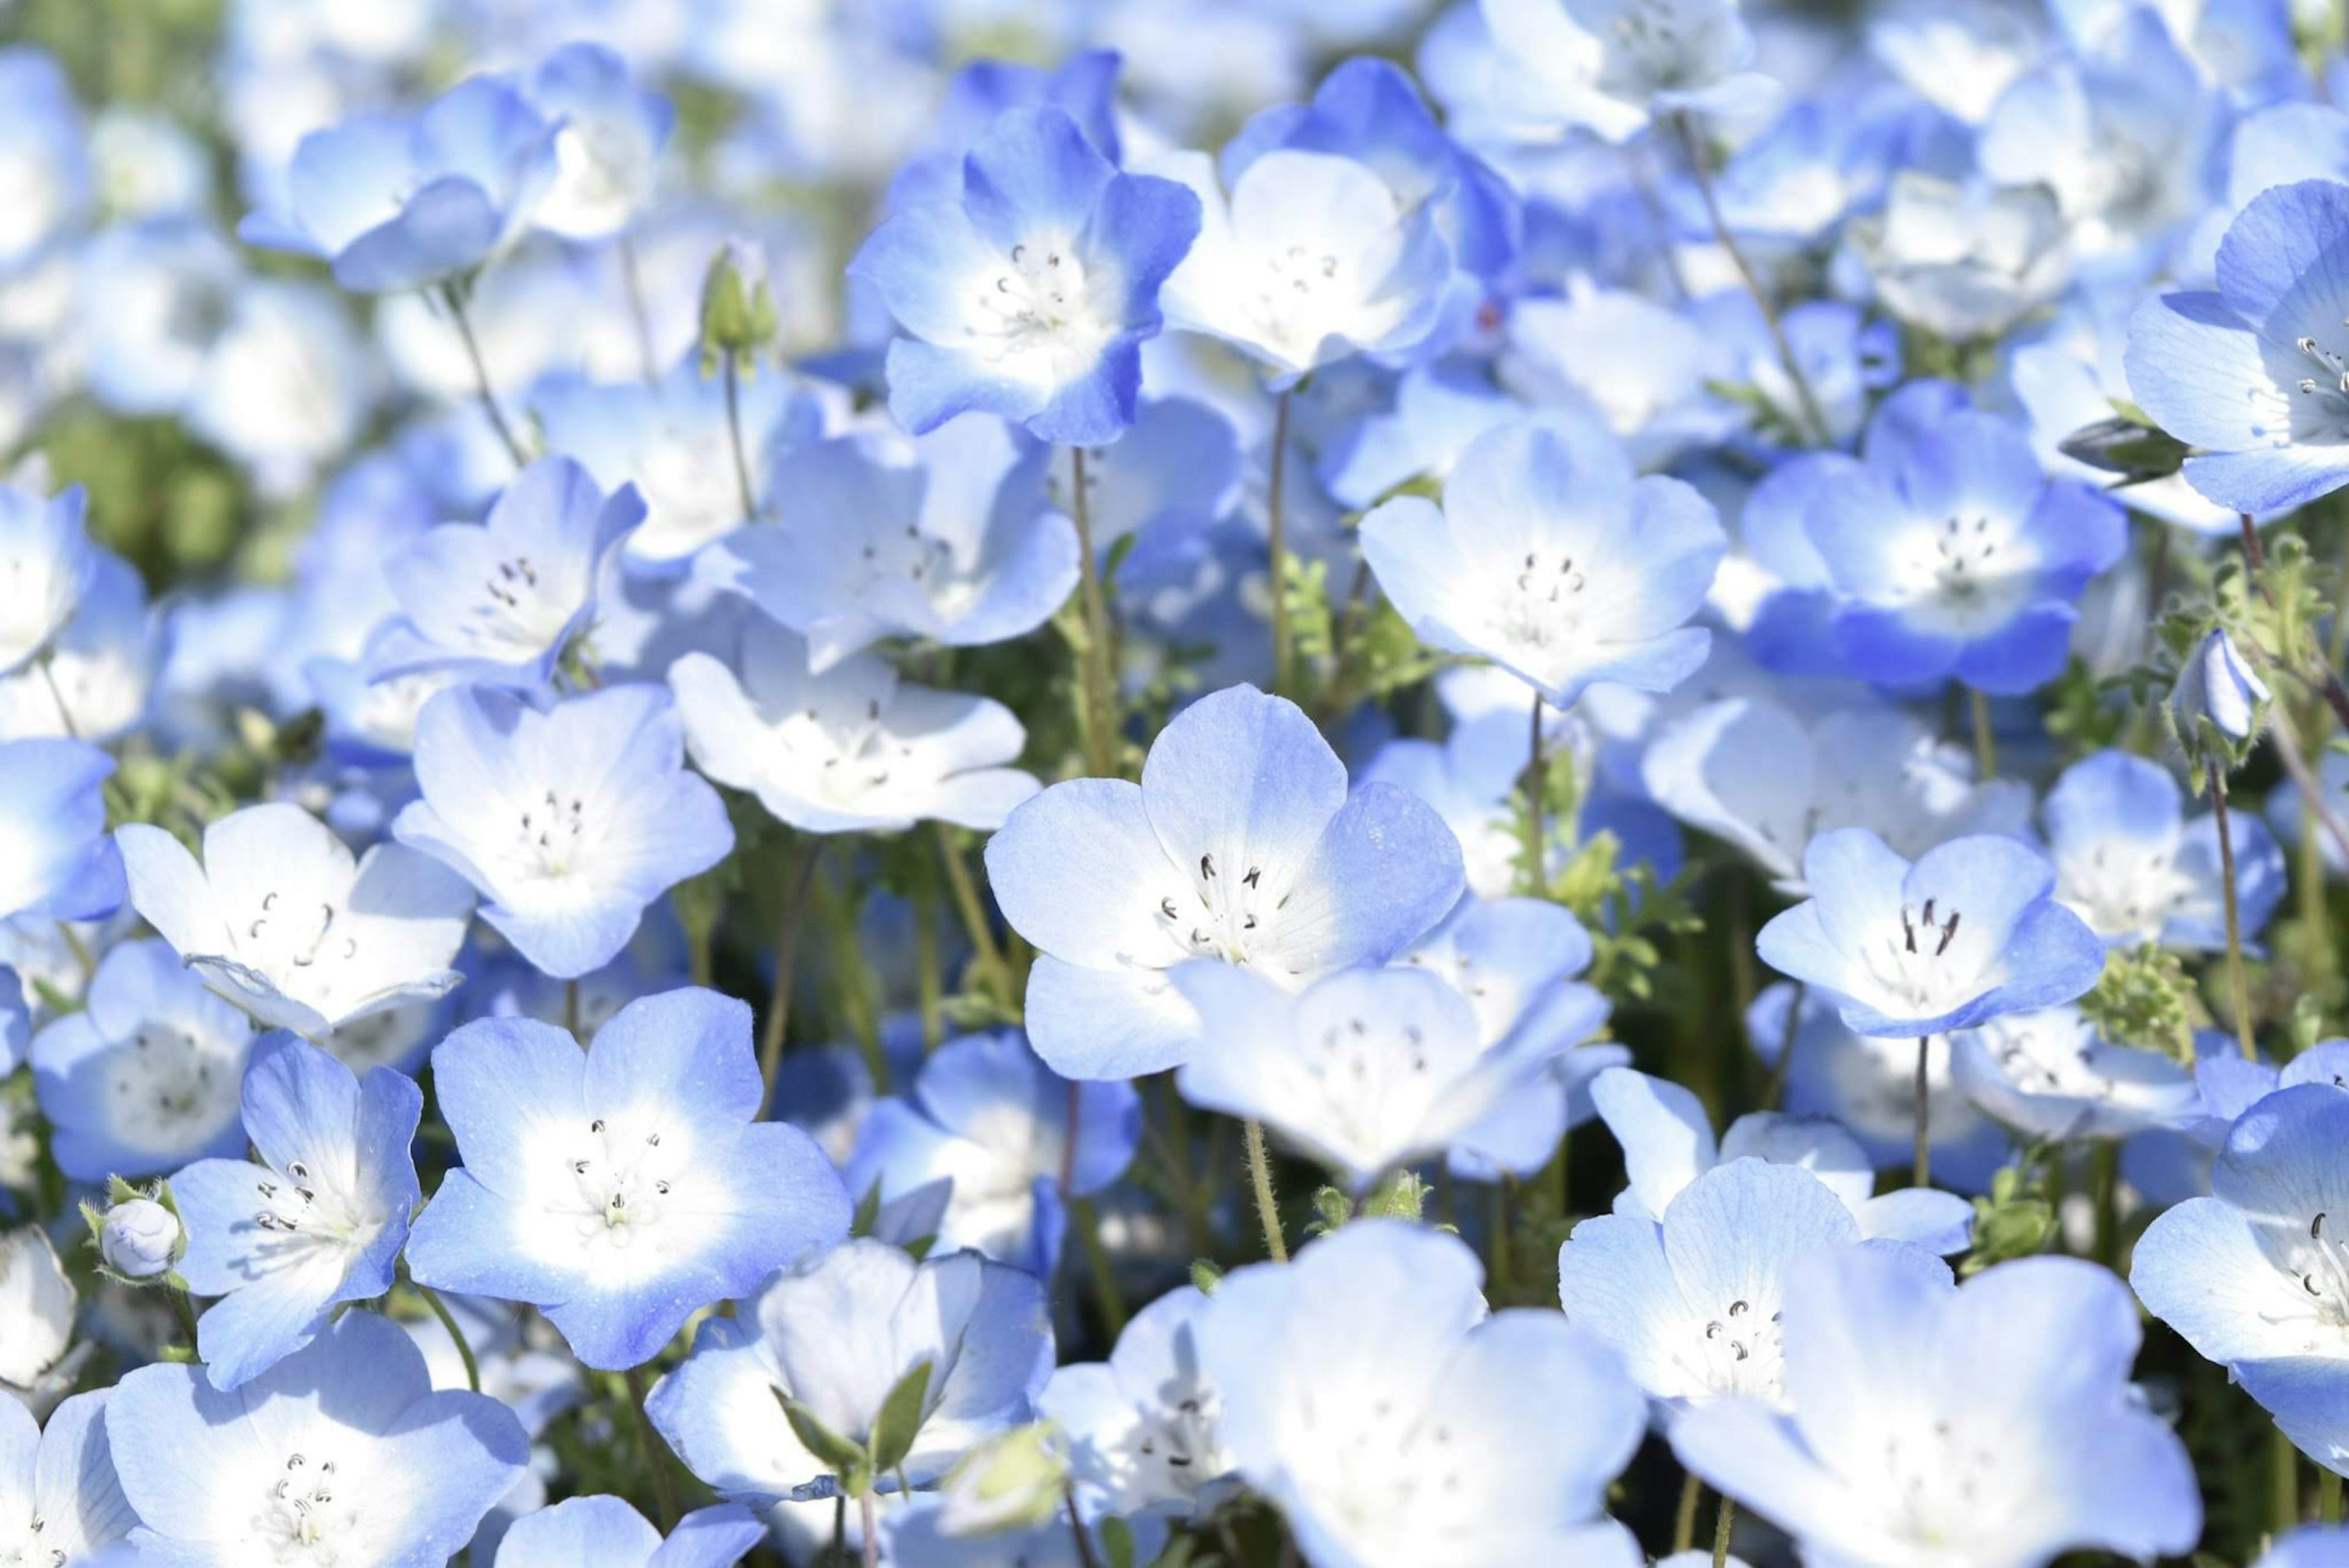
(1774, 1097)
(1723, 1519)
(1922, 1151)
(871, 1532)
(743, 490)
(464, 1349)
(2328, 1495)
(2283, 1475)
(454, 294)
(988, 954)
(648, 1449)
(799, 881)
(1086, 1222)
(1077, 1529)
(929, 982)
(1684, 1517)
(1985, 740)
(2105, 1175)
(184, 1313)
(1537, 790)
(571, 1011)
(1267, 1207)
(2239, 989)
(56, 694)
(1096, 675)
(1284, 641)
(632, 282)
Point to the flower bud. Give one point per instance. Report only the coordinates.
(139, 1240)
(1011, 1481)
(2219, 700)
(737, 314)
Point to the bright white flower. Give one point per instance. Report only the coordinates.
(1614, 66)
(1960, 261)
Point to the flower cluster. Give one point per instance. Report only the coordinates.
(1215, 784)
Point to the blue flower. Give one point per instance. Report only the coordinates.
(45, 548)
(1954, 556)
(608, 136)
(1083, 85)
(54, 857)
(58, 1495)
(1428, 416)
(1614, 68)
(622, 1189)
(402, 201)
(92, 681)
(1367, 1393)
(959, 548)
(2255, 375)
(341, 1452)
(1970, 930)
(988, 1117)
(570, 821)
(15, 1020)
(2052, 1075)
(505, 600)
(1668, 1145)
(1992, 1423)
(280, 918)
(1552, 558)
(55, 184)
(2129, 863)
(606, 1532)
(1143, 1427)
(1241, 842)
(2218, 687)
(2231, 1085)
(145, 1076)
(2254, 1276)
(2311, 1546)
(318, 1219)
(836, 1332)
(1029, 293)
(853, 749)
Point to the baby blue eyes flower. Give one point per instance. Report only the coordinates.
(2049, 1074)
(317, 1219)
(608, 137)
(959, 549)
(505, 600)
(2311, 1546)
(2254, 1275)
(851, 749)
(399, 203)
(1242, 844)
(621, 1189)
(341, 1453)
(139, 1239)
(1552, 558)
(606, 1532)
(1615, 65)
(1988, 1424)
(985, 1116)
(144, 1076)
(2255, 375)
(59, 1500)
(283, 921)
(1145, 1425)
(1971, 930)
(1367, 1392)
(1030, 292)
(836, 1333)
(2129, 862)
(569, 822)
(47, 559)
(55, 859)
(2218, 687)
(15, 1020)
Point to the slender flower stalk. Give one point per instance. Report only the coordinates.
(1095, 673)
(1922, 1158)
(1284, 636)
(730, 367)
(1537, 790)
(799, 881)
(1267, 1207)
(1985, 738)
(2238, 990)
(457, 1336)
(454, 294)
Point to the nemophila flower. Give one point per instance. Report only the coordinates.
(986, 1116)
(670, 440)
(396, 202)
(340, 1453)
(1693, 1295)
(1614, 66)
(1668, 1144)
(145, 1076)
(1029, 293)
(2255, 375)
(1311, 260)
(1990, 1424)
(1367, 1070)
(1869, 766)
(1171, 478)
(1515, 961)
(1084, 86)
(48, 154)
(2311, 1546)
(608, 136)
(315, 1221)
(1145, 1428)
(569, 821)
(54, 857)
(59, 1501)
(2230, 1084)
(957, 547)
(1971, 929)
(2219, 701)
(36, 1303)
(933, 1537)
(506, 599)
(606, 1532)
(2052, 1075)
(2254, 1276)
(620, 1190)
(1956, 556)
(1242, 844)
(1647, 372)
(283, 921)
(46, 562)
(853, 749)
(2129, 863)
(1550, 557)
(139, 1239)
(15, 1020)
(834, 1333)
(1369, 1395)
(1962, 261)
(1427, 418)
(93, 683)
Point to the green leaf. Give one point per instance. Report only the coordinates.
(834, 1452)
(868, 1208)
(1117, 1541)
(900, 1420)
(1204, 1276)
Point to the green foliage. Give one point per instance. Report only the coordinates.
(1206, 1276)
(900, 1420)
(846, 1459)
(2145, 999)
(2088, 714)
(2015, 1220)
(1403, 1196)
(1628, 911)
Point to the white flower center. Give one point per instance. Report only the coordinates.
(167, 1080)
(2125, 889)
(1738, 1351)
(549, 835)
(1542, 607)
(308, 1210)
(1181, 1440)
(1923, 966)
(621, 1180)
(1222, 917)
(28, 1550)
(287, 935)
(300, 1515)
